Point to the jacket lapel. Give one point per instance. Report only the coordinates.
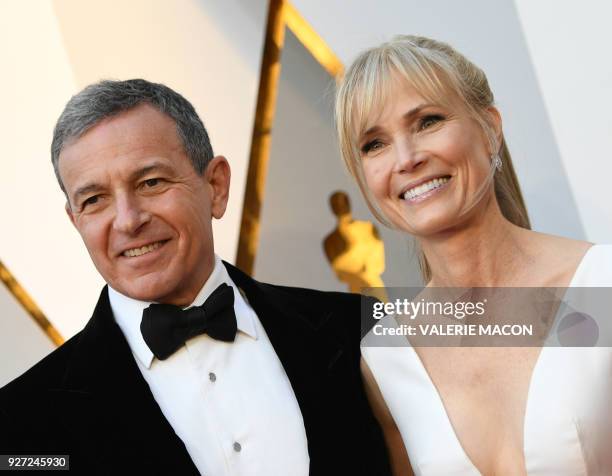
(110, 408)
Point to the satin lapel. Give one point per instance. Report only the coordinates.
(110, 408)
(303, 341)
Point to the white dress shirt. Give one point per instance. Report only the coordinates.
(231, 403)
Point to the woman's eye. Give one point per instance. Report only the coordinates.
(371, 146)
(430, 120)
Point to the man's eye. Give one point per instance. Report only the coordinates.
(90, 201)
(152, 182)
(430, 120)
(371, 146)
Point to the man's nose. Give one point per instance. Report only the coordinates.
(407, 157)
(130, 216)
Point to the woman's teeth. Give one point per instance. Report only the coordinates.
(143, 250)
(425, 187)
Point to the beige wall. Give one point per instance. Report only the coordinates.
(22, 341)
(570, 52)
(36, 241)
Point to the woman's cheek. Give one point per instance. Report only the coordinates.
(375, 179)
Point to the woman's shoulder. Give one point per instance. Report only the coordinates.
(555, 258)
(595, 269)
(581, 263)
(597, 251)
(559, 244)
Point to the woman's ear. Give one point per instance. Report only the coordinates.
(495, 121)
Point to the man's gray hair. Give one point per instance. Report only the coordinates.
(108, 98)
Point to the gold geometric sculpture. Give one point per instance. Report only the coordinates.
(29, 305)
(281, 15)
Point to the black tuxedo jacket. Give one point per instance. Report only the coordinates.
(89, 400)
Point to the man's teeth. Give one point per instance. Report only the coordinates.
(425, 187)
(143, 250)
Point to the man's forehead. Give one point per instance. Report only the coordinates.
(141, 125)
(122, 143)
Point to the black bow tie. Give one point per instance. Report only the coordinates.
(165, 327)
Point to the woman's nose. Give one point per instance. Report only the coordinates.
(130, 216)
(407, 158)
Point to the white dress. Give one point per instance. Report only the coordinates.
(568, 417)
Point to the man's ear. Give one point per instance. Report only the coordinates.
(495, 121)
(69, 213)
(218, 176)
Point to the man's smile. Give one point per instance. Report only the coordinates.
(142, 250)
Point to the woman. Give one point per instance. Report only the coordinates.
(419, 131)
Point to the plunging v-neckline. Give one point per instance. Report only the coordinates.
(450, 430)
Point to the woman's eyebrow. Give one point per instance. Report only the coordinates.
(406, 117)
(416, 110)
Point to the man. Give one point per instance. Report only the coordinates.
(187, 365)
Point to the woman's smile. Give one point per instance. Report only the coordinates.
(419, 193)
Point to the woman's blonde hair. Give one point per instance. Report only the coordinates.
(434, 69)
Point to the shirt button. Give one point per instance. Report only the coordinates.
(212, 377)
(237, 447)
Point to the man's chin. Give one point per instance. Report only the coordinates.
(145, 289)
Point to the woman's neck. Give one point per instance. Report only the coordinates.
(488, 251)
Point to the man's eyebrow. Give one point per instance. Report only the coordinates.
(85, 190)
(155, 166)
(136, 175)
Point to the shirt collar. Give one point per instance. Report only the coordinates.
(128, 311)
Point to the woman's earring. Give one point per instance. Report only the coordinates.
(497, 162)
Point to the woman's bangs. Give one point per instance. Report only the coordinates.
(426, 77)
(379, 82)
(371, 96)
